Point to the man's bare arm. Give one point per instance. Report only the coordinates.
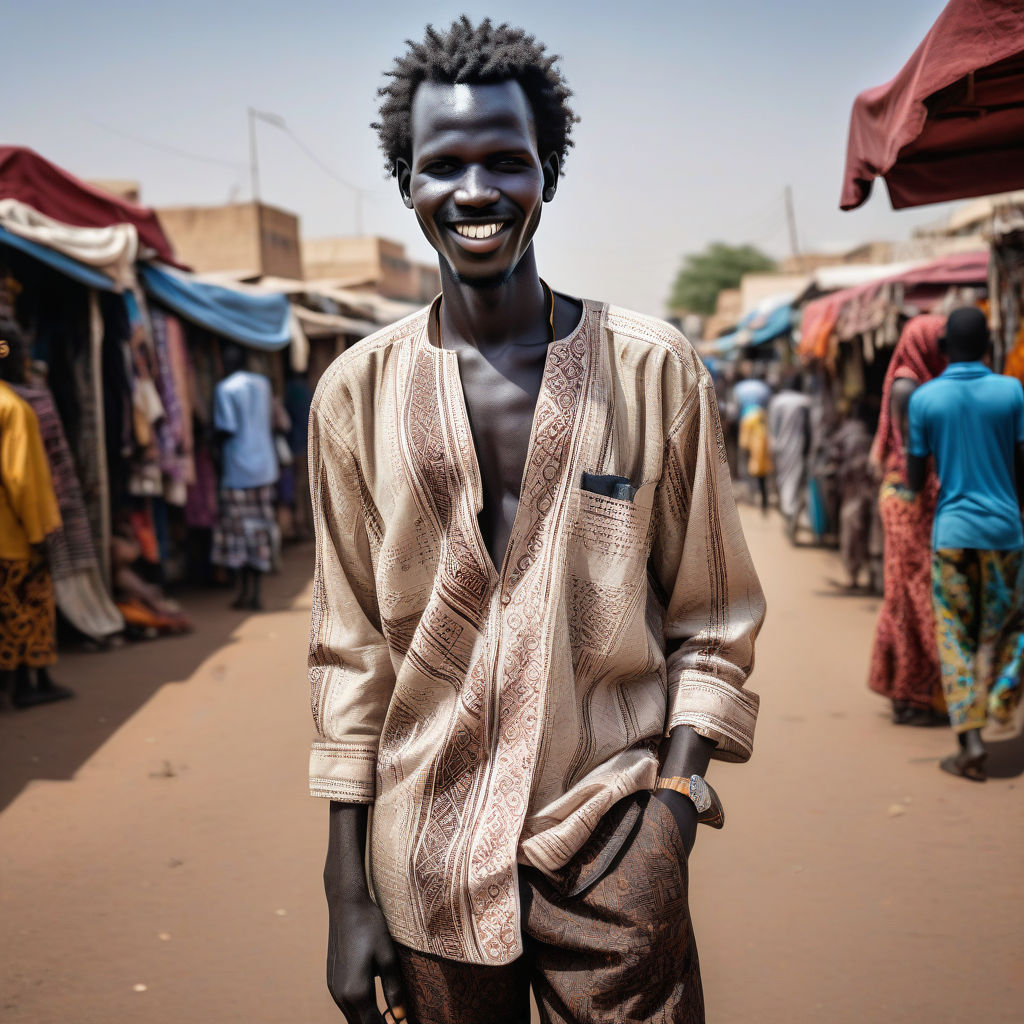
(686, 753)
(359, 947)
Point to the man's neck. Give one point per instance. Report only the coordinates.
(514, 311)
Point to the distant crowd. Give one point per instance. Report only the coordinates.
(924, 500)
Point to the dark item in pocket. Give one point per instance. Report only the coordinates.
(609, 486)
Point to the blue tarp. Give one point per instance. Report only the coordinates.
(89, 276)
(777, 322)
(260, 321)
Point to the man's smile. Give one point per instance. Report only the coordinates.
(479, 230)
(479, 236)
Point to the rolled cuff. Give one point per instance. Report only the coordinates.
(716, 710)
(341, 771)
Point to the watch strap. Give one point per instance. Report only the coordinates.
(699, 792)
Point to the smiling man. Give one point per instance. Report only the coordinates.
(534, 611)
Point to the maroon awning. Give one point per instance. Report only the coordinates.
(26, 176)
(951, 123)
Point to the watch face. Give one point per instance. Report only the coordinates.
(699, 793)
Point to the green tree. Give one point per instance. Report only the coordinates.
(704, 275)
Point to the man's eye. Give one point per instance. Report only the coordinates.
(440, 167)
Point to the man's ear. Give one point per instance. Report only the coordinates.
(403, 172)
(551, 172)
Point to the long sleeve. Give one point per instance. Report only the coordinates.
(714, 602)
(350, 669)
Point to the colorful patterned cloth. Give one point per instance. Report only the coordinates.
(70, 548)
(905, 661)
(979, 620)
(28, 614)
(244, 533)
(619, 952)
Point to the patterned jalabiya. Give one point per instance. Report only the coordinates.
(493, 714)
(979, 621)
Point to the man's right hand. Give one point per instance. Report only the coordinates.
(359, 947)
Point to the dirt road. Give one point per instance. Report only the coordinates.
(160, 861)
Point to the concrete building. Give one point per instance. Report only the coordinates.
(248, 240)
(369, 263)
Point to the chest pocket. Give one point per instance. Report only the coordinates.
(609, 544)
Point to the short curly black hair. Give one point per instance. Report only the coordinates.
(480, 54)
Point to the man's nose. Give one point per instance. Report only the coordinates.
(475, 189)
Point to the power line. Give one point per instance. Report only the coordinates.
(282, 125)
(163, 147)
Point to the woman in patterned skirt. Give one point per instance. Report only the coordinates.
(905, 661)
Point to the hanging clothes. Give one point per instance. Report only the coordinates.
(80, 593)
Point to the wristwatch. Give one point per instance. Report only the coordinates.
(699, 792)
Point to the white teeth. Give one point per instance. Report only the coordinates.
(478, 230)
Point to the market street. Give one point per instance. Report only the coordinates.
(156, 832)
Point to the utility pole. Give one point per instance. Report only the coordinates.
(794, 245)
(254, 165)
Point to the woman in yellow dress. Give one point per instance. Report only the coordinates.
(28, 512)
(755, 441)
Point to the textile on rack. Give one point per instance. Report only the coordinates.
(111, 250)
(818, 324)
(51, 190)
(174, 429)
(81, 596)
(905, 661)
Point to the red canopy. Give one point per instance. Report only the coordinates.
(924, 285)
(951, 123)
(26, 176)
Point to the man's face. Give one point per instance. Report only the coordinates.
(476, 182)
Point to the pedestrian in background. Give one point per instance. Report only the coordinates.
(971, 421)
(849, 469)
(789, 424)
(243, 539)
(755, 441)
(905, 661)
(28, 513)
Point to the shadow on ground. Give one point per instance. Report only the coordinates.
(53, 741)
(1005, 758)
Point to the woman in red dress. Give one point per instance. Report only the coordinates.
(905, 661)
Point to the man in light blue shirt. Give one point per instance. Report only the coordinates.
(971, 421)
(243, 416)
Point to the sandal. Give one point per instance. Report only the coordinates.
(965, 766)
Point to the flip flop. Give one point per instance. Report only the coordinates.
(972, 768)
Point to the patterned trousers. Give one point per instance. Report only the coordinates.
(979, 621)
(608, 941)
(28, 614)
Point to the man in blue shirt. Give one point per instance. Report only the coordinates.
(971, 421)
(242, 417)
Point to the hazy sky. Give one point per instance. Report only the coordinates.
(695, 115)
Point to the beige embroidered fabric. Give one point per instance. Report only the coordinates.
(493, 714)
